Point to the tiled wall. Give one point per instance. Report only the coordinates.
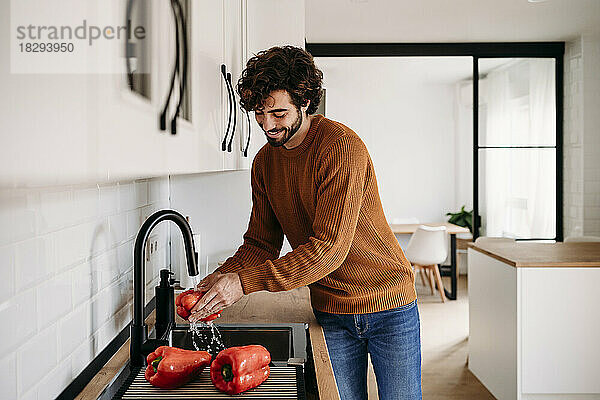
(591, 139)
(66, 258)
(573, 140)
(582, 137)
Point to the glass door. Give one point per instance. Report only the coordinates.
(516, 148)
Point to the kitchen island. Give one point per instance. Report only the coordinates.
(260, 307)
(533, 331)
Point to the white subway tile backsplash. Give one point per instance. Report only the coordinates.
(81, 280)
(134, 222)
(158, 190)
(105, 334)
(105, 270)
(55, 210)
(8, 377)
(81, 357)
(120, 293)
(19, 322)
(30, 395)
(5, 223)
(109, 200)
(67, 277)
(37, 358)
(31, 262)
(74, 329)
(118, 228)
(127, 199)
(100, 310)
(7, 269)
(54, 299)
(70, 246)
(54, 383)
(141, 193)
(99, 240)
(23, 218)
(85, 204)
(125, 257)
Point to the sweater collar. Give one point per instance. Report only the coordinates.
(314, 125)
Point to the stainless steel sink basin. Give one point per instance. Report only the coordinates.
(284, 342)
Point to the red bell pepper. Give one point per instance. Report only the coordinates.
(238, 369)
(171, 367)
(187, 300)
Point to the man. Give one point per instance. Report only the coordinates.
(314, 182)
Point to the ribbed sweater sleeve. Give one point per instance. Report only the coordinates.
(341, 180)
(264, 237)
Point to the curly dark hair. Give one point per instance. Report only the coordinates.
(281, 68)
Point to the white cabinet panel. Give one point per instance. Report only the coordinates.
(44, 137)
(558, 323)
(493, 324)
(206, 82)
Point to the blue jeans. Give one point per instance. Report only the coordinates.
(393, 340)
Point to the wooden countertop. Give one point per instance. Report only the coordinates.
(532, 255)
(260, 307)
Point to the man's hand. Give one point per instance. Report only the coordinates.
(223, 290)
(208, 282)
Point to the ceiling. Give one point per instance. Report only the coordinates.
(437, 21)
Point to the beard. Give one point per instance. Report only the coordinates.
(289, 131)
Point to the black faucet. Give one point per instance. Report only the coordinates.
(140, 344)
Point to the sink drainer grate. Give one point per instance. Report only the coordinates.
(283, 383)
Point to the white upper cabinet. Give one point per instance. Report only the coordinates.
(93, 127)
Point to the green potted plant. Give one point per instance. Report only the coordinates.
(462, 218)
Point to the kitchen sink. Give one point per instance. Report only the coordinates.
(292, 368)
(284, 342)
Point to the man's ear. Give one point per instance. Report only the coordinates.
(305, 106)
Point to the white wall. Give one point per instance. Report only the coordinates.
(407, 122)
(219, 206)
(66, 258)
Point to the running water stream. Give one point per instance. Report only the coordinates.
(206, 337)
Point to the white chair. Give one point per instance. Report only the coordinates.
(582, 239)
(426, 249)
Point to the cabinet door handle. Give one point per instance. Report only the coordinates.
(224, 74)
(245, 150)
(184, 69)
(232, 95)
(129, 48)
(174, 73)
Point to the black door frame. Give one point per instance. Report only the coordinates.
(476, 50)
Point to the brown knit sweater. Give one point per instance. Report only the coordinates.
(323, 196)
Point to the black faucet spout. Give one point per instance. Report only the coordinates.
(139, 330)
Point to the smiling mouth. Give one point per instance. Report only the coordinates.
(275, 134)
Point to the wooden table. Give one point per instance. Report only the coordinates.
(445, 270)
